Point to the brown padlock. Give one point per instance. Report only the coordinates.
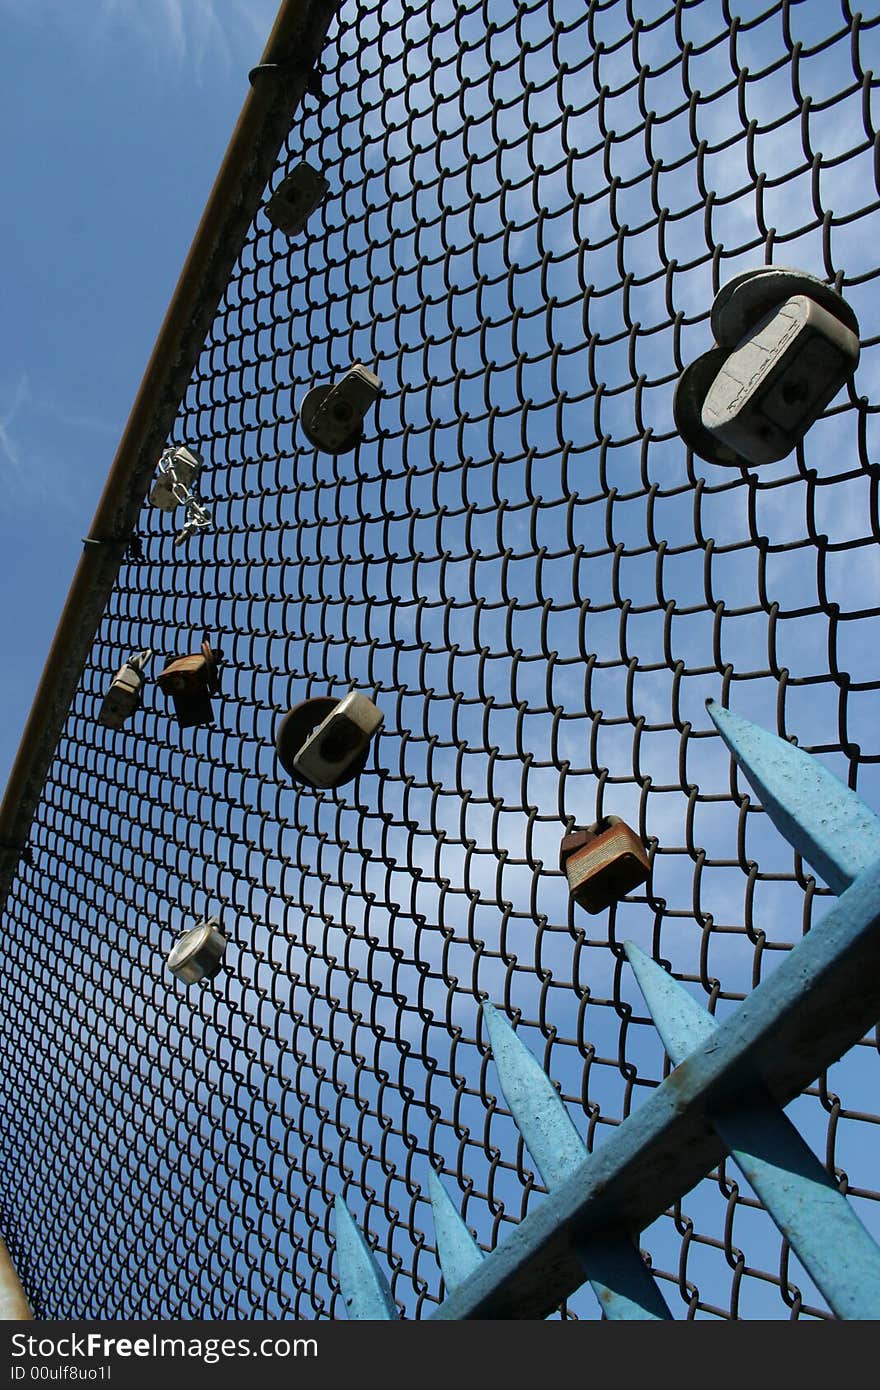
(190, 681)
(603, 863)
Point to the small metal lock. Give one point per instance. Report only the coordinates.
(177, 470)
(785, 345)
(198, 954)
(125, 693)
(295, 199)
(190, 681)
(325, 742)
(333, 416)
(603, 863)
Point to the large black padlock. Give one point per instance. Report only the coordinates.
(190, 681)
(785, 343)
(296, 198)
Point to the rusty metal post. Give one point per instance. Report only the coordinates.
(277, 85)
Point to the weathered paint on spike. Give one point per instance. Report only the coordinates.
(677, 1016)
(621, 1280)
(365, 1289)
(558, 1151)
(818, 1002)
(535, 1104)
(457, 1250)
(827, 824)
(824, 1231)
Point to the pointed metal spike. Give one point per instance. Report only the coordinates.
(543, 1121)
(809, 1209)
(365, 1289)
(457, 1251)
(621, 1280)
(680, 1020)
(827, 824)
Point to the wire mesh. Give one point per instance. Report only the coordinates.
(531, 208)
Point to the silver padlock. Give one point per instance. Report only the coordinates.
(333, 416)
(125, 693)
(786, 344)
(325, 742)
(177, 471)
(295, 199)
(198, 954)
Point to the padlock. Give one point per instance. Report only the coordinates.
(125, 693)
(333, 416)
(603, 863)
(325, 742)
(177, 470)
(198, 954)
(786, 344)
(295, 199)
(190, 681)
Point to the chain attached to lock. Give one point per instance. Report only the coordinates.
(176, 470)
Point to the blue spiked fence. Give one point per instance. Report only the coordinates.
(724, 1096)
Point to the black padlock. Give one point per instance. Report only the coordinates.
(785, 345)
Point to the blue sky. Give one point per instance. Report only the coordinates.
(157, 92)
(117, 114)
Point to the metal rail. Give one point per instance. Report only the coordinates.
(277, 85)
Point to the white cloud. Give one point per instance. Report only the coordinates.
(170, 32)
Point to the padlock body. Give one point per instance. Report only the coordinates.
(122, 699)
(189, 680)
(296, 198)
(333, 417)
(333, 752)
(779, 379)
(198, 954)
(185, 464)
(610, 864)
(186, 675)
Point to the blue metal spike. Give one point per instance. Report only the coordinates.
(457, 1250)
(825, 822)
(535, 1104)
(824, 1231)
(621, 1280)
(678, 1017)
(365, 1289)
(558, 1151)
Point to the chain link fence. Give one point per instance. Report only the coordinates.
(531, 207)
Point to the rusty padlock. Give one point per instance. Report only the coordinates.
(125, 692)
(198, 954)
(296, 198)
(603, 863)
(325, 742)
(190, 681)
(785, 345)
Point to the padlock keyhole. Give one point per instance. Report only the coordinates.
(795, 392)
(338, 744)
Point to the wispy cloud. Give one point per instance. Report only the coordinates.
(29, 460)
(171, 33)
